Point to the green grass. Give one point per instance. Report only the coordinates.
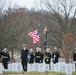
(74, 73)
(35, 73)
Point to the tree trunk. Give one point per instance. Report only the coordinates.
(66, 57)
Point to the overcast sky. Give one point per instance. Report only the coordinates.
(27, 3)
(23, 3)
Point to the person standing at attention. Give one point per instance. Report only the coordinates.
(24, 53)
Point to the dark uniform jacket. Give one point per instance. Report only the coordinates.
(55, 56)
(31, 58)
(47, 58)
(24, 57)
(39, 57)
(0, 54)
(24, 54)
(74, 56)
(5, 58)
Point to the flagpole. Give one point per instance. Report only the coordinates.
(45, 37)
(39, 34)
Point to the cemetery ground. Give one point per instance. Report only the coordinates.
(33, 73)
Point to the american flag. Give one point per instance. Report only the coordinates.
(35, 35)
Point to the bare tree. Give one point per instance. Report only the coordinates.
(60, 21)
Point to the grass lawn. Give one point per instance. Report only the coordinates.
(74, 73)
(34, 73)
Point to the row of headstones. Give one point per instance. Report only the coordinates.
(42, 67)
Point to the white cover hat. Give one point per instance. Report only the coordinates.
(24, 45)
(5, 49)
(74, 48)
(55, 47)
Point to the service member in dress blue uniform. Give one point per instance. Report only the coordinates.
(24, 53)
(0, 56)
(5, 58)
(56, 55)
(31, 61)
(41, 66)
(38, 59)
(39, 55)
(48, 57)
(74, 56)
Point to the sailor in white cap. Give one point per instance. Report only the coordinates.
(55, 55)
(31, 60)
(31, 56)
(74, 56)
(5, 58)
(48, 58)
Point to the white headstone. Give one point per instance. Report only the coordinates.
(14, 67)
(10, 67)
(0, 68)
(41, 67)
(30, 67)
(36, 67)
(46, 67)
(62, 67)
(19, 67)
(69, 69)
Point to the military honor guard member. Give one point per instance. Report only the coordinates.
(0, 56)
(38, 57)
(31, 61)
(41, 66)
(24, 53)
(55, 55)
(31, 56)
(48, 58)
(5, 58)
(74, 58)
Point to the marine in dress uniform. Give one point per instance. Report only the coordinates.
(24, 53)
(5, 58)
(55, 55)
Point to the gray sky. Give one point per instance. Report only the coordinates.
(23, 3)
(27, 3)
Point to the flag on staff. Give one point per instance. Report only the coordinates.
(45, 37)
(35, 35)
